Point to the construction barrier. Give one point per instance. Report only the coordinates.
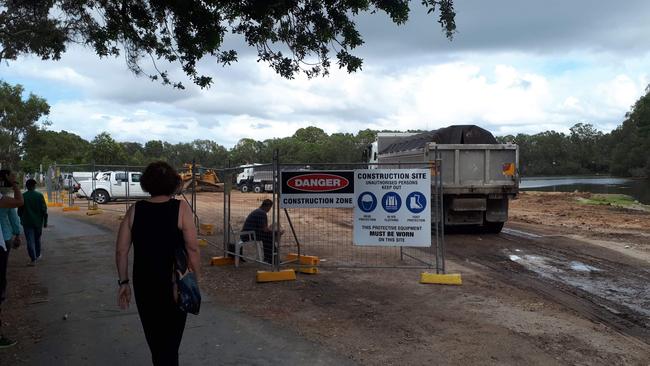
(322, 216)
(318, 231)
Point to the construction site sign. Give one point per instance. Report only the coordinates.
(317, 189)
(392, 208)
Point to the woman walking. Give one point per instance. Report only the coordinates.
(156, 227)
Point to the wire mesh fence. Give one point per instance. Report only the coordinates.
(325, 232)
(222, 200)
(111, 187)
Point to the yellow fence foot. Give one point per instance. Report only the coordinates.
(222, 261)
(284, 275)
(71, 208)
(206, 229)
(441, 279)
(54, 204)
(203, 243)
(307, 270)
(304, 259)
(93, 212)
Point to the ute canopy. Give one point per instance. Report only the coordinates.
(462, 134)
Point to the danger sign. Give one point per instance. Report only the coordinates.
(317, 182)
(315, 189)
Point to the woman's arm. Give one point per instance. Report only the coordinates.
(122, 247)
(189, 234)
(43, 206)
(14, 220)
(16, 200)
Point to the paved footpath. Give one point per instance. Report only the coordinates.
(79, 274)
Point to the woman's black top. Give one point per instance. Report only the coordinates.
(155, 234)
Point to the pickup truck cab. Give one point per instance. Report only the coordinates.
(112, 185)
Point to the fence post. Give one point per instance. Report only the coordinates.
(193, 197)
(440, 222)
(275, 226)
(93, 185)
(226, 210)
(126, 189)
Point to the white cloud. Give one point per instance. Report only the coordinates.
(502, 97)
(527, 67)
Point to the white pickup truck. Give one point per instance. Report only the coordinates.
(112, 185)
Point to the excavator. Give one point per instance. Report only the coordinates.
(206, 180)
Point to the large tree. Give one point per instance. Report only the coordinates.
(106, 151)
(631, 141)
(43, 147)
(18, 118)
(292, 36)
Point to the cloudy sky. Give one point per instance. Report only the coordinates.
(514, 66)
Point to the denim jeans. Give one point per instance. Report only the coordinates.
(33, 238)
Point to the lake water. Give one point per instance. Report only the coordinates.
(637, 188)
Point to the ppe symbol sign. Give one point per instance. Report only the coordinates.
(367, 202)
(391, 202)
(416, 202)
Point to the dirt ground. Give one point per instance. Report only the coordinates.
(518, 303)
(620, 229)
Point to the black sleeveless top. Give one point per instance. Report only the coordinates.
(155, 235)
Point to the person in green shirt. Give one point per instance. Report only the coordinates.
(33, 216)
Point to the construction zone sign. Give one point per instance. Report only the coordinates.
(317, 189)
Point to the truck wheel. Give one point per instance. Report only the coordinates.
(493, 227)
(101, 196)
(244, 188)
(258, 189)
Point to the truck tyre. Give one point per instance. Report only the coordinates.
(493, 227)
(244, 188)
(258, 188)
(101, 196)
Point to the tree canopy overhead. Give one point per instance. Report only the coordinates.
(18, 119)
(292, 36)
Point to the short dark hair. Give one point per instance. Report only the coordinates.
(267, 203)
(30, 184)
(160, 179)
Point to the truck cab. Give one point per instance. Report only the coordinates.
(112, 185)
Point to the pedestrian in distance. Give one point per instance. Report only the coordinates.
(257, 221)
(33, 216)
(156, 227)
(10, 228)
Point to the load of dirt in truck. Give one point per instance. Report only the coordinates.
(461, 134)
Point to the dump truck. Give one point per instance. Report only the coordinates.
(479, 175)
(255, 178)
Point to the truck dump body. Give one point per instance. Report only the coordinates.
(478, 174)
(475, 168)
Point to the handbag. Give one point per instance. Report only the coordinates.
(187, 287)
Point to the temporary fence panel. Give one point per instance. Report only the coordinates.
(322, 224)
(245, 188)
(329, 232)
(109, 187)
